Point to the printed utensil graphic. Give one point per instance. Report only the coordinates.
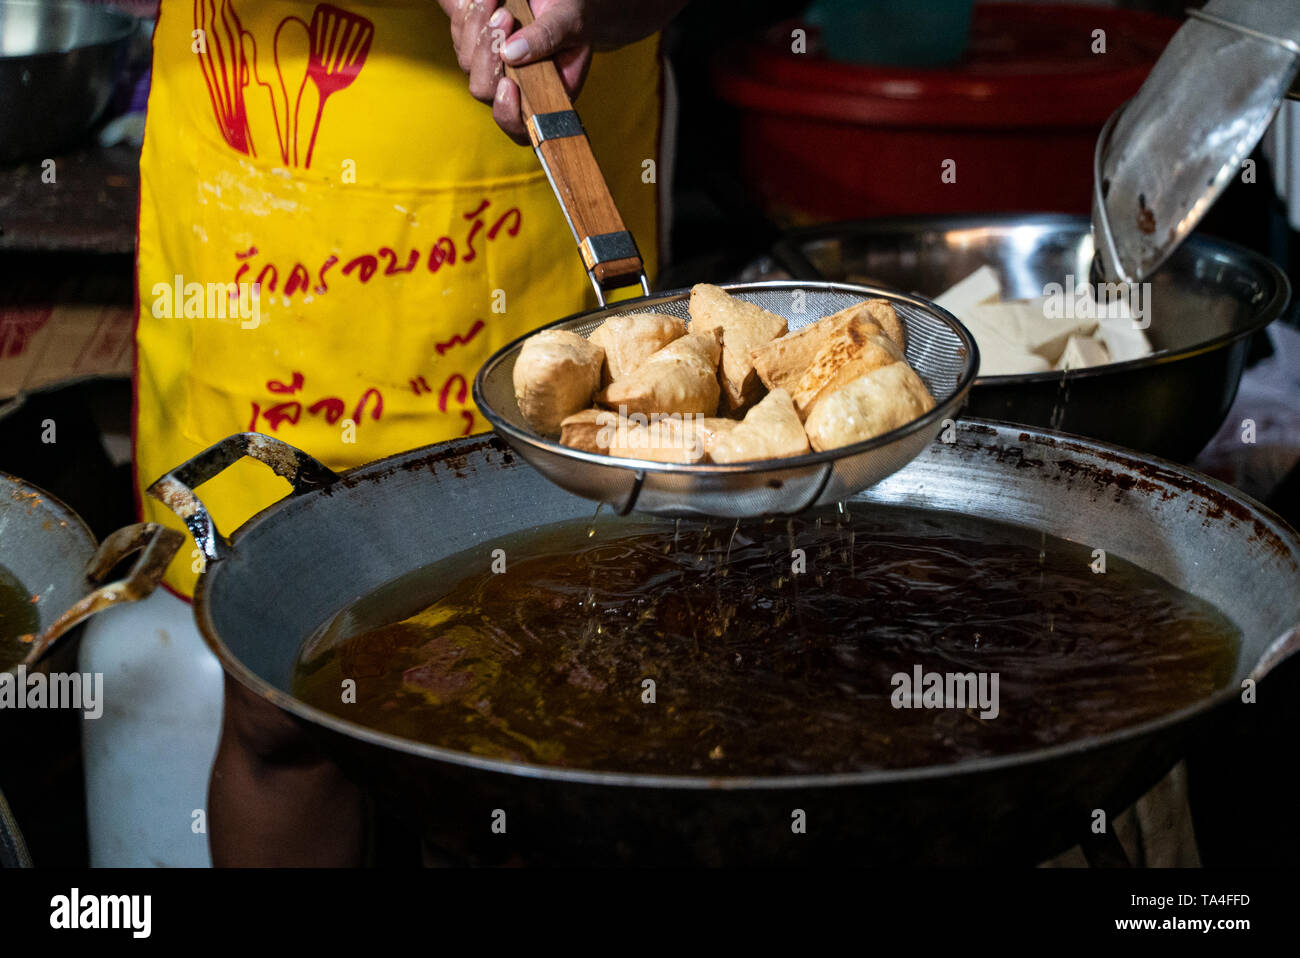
(220, 60)
(340, 43)
(292, 47)
(257, 100)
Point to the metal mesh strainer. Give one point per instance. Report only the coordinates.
(940, 350)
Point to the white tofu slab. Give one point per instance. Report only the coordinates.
(981, 286)
(1001, 357)
(1023, 322)
(1082, 352)
(1122, 341)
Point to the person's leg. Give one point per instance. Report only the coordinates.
(275, 799)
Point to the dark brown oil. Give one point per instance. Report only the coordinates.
(757, 670)
(18, 619)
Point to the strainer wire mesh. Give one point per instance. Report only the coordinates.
(940, 350)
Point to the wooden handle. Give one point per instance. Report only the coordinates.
(575, 175)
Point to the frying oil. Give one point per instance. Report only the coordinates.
(18, 617)
(671, 647)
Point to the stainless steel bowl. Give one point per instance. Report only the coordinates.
(58, 62)
(1206, 301)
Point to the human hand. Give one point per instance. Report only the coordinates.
(486, 38)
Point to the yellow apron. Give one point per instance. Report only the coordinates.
(334, 235)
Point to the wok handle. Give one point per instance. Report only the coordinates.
(176, 489)
(607, 248)
(156, 545)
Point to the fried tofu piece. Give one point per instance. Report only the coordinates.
(671, 438)
(712, 428)
(589, 430)
(859, 347)
(680, 378)
(630, 340)
(771, 430)
(744, 327)
(883, 314)
(556, 375)
(781, 362)
(869, 406)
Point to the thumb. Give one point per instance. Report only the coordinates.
(555, 28)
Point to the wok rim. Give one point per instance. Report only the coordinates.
(65, 512)
(72, 522)
(942, 409)
(758, 783)
(788, 251)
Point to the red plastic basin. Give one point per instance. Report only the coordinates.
(1018, 117)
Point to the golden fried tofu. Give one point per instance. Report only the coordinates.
(680, 378)
(781, 362)
(867, 407)
(556, 375)
(672, 438)
(882, 313)
(589, 430)
(858, 348)
(712, 428)
(744, 327)
(771, 430)
(631, 339)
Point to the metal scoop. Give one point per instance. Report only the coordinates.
(1166, 156)
(939, 349)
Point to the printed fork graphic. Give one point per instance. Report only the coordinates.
(340, 43)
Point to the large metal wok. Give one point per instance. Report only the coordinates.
(48, 549)
(336, 538)
(1206, 301)
(51, 552)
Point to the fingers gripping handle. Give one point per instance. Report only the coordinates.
(607, 248)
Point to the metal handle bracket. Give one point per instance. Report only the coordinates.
(176, 489)
(156, 545)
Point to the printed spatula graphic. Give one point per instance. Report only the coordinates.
(340, 42)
